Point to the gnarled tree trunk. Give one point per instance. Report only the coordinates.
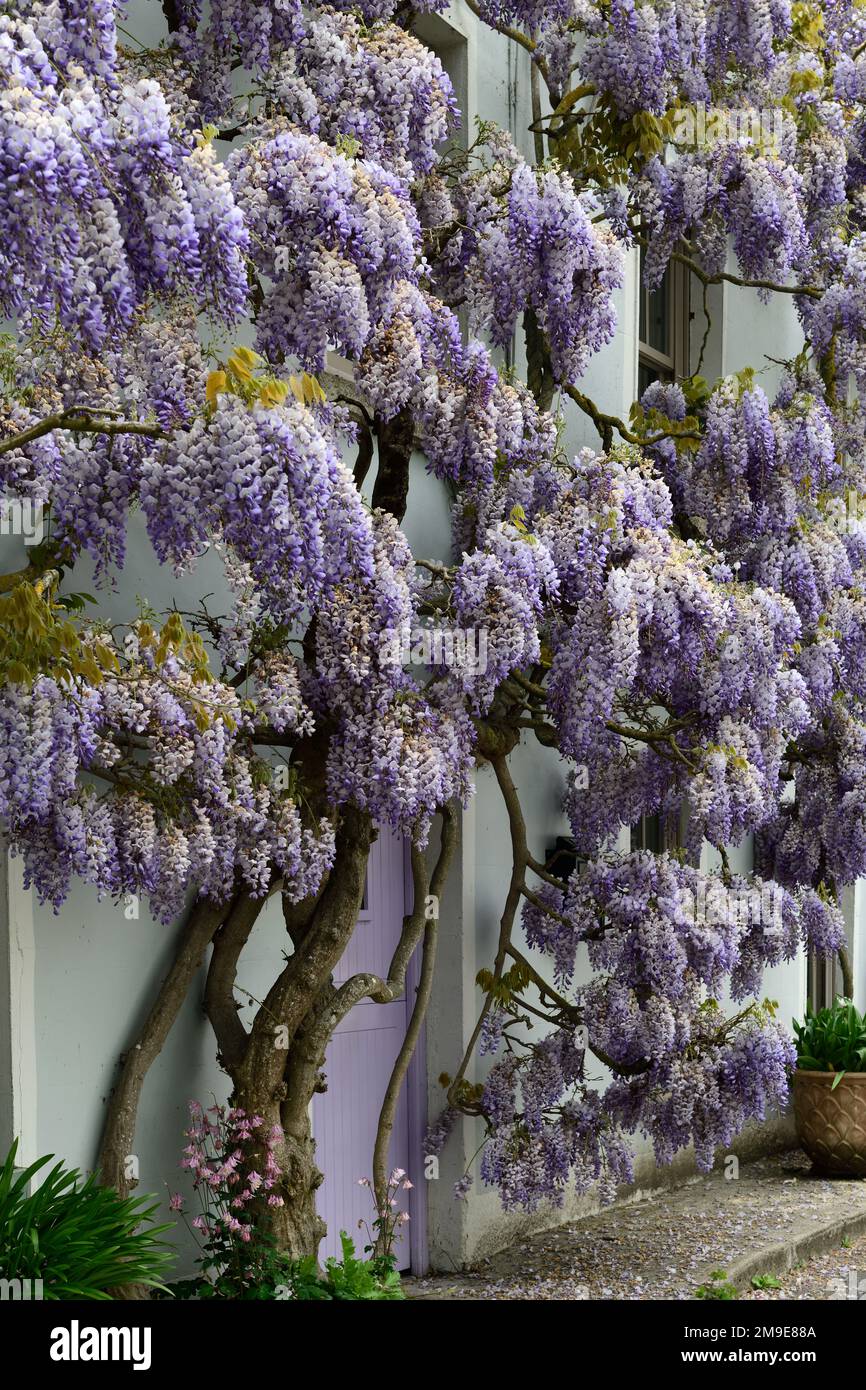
(118, 1136)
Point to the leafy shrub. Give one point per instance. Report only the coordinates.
(80, 1240)
(719, 1287)
(279, 1277)
(834, 1039)
(349, 1278)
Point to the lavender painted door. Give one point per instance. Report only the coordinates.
(359, 1060)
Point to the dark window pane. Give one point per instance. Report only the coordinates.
(659, 328)
(646, 375)
(647, 834)
(655, 318)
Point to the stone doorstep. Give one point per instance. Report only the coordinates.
(785, 1255)
(781, 1191)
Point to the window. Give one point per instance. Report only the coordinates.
(562, 859)
(663, 332)
(657, 835)
(821, 981)
(647, 834)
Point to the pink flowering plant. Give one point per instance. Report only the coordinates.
(238, 1255)
(240, 1258)
(382, 1232)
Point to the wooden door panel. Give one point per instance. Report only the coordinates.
(359, 1061)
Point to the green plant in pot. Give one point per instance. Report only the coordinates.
(830, 1088)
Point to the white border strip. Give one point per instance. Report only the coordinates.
(18, 1010)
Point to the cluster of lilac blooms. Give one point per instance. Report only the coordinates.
(502, 589)
(549, 1129)
(824, 831)
(259, 34)
(335, 235)
(644, 51)
(378, 86)
(189, 809)
(80, 32)
(652, 925)
(757, 466)
(399, 751)
(104, 204)
(530, 242)
(707, 1096)
(468, 415)
(659, 934)
(272, 484)
(733, 190)
(161, 367)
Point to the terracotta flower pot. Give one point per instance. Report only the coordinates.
(831, 1125)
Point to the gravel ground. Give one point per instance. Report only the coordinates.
(664, 1246)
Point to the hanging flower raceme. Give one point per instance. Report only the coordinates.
(161, 366)
(254, 30)
(822, 833)
(643, 634)
(730, 1076)
(530, 242)
(500, 592)
(756, 467)
(378, 87)
(104, 203)
(336, 236)
(371, 10)
(404, 760)
(643, 53)
(470, 417)
(271, 481)
(725, 190)
(80, 32)
(659, 934)
(841, 311)
(399, 750)
(361, 630)
(188, 808)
